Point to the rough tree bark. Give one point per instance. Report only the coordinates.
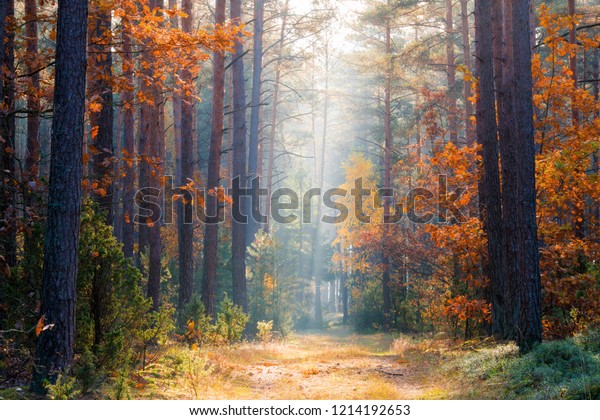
(128, 233)
(271, 161)
(185, 220)
(176, 102)
(253, 156)
(519, 194)
(506, 131)
(498, 51)
(32, 155)
(573, 59)
(466, 41)
(229, 130)
(451, 72)
(211, 235)
(238, 242)
(3, 135)
(489, 186)
(101, 116)
(185, 286)
(387, 176)
(118, 168)
(54, 349)
(8, 242)
(150, 148)
(575, 114)
(142, 155)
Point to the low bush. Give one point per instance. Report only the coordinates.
(231, 321)
(265, 331)
(555, 370)
(228, 328)
(566, 369)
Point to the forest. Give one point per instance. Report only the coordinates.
(300, 199)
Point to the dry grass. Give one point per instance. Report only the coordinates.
(332, 365)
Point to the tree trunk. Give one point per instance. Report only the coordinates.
(466, 41)
(128, 142)
(8, 242)
(489, 186)
(185, 219)
(573, 60)
(230, 127)
(451, 72)
(185, 286)
(4, 9)
(101, 114)
(344, 294)
(254, 202)
(331, 296)
(54, 349)
(519, 193)
(32, 155)
(3, 134)
(271, 163)
(575, 114)
(211, 236)
(596, 154)
(176, 102)
(143, 156)
(317, 261)
(506, 131)
(238, 243)
(498, 53)
(151, 149)
(387, 176)
(119, 167)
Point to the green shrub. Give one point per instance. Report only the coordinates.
(366, 310)
(197, 370)
(265, 331)
(589, 341)
(198, 329)
(231, 321)
(111, 307)
(555, 370)
(86, 372)
(154, 332)
(274, 290)
(229, 327)
(484, 363)
(65, 388)
(121, 388)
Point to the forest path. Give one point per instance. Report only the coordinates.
(337, 364)
(332, 364)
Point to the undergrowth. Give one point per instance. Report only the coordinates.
(566, 369)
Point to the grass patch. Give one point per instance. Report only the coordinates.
(567, 369)
(15, 394)
(378, 389)
(555, 370)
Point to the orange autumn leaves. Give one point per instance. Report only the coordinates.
(567, 180)
(142, 32)
(444, 261)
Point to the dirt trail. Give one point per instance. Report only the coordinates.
(335, 364)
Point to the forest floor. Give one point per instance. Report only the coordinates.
(333, 364)
(338, 364)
